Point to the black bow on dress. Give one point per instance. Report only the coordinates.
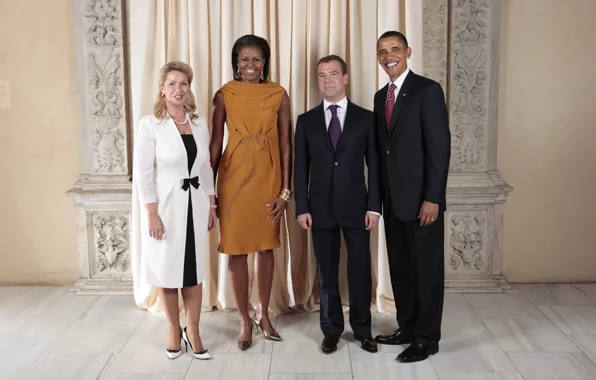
(194, 181)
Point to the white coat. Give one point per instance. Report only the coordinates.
(160, 167)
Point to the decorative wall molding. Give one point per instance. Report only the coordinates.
(474, 232)
(435, 50)
(104, 67)
(467, 242)
(470, 70)
(103, 234)
(103, 22)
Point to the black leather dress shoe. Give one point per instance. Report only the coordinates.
(329, 344)
(417, 352)
(367, 343)
(398, 337)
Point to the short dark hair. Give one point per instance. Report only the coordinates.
(252, 41)
(333, 57)
(393, 33)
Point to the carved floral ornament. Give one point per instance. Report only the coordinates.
(466, 243)
(111, 243)
(103, 23)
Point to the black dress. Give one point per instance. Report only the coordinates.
(190, 252)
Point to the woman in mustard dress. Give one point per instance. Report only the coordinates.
(253, 176)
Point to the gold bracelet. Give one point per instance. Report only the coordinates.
(285, 194)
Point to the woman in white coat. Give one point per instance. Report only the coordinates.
(175, 202)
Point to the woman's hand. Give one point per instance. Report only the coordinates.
(156, 229)
(279, 205)
(212, 219)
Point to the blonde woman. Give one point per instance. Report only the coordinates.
(175, 194)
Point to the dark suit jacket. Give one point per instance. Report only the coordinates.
(416, 149)
(331, 185)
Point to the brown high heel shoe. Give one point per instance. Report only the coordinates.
(274, 336)
(244, 345)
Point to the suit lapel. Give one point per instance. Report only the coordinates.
(347, 129)
(381, 113)
(322, 126)
(175, 139)
(402, 99)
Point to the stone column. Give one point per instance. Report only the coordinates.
(102, 193)
(462, 39)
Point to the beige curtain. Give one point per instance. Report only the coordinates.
(202, 32)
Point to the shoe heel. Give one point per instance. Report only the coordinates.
(256, 326)
(203, 355)
(185, 339)
(274, 337)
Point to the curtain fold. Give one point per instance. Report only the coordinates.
(202, 33)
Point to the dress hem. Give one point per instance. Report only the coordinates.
(173, 287)
(262, 247)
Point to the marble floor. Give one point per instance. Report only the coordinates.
(541, 332)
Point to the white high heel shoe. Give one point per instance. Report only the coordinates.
(203, 355)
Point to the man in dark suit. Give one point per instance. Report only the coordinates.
(331, 144)
(412, 126)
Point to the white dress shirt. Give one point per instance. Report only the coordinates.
(341, 115)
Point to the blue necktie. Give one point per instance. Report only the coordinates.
(334, 126)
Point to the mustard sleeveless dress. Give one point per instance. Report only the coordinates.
(250, 168)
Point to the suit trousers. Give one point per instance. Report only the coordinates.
(327, 252)
(416, 267)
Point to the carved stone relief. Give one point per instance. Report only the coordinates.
(467, 242)
(109, 145)
(111, 236)
(435, 19)
(103, 22)
(105, 87)
(470, 50)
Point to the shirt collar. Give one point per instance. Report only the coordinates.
(343, 104)
(400, 79)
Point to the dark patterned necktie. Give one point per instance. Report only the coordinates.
(334, 126)
(389, 105)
